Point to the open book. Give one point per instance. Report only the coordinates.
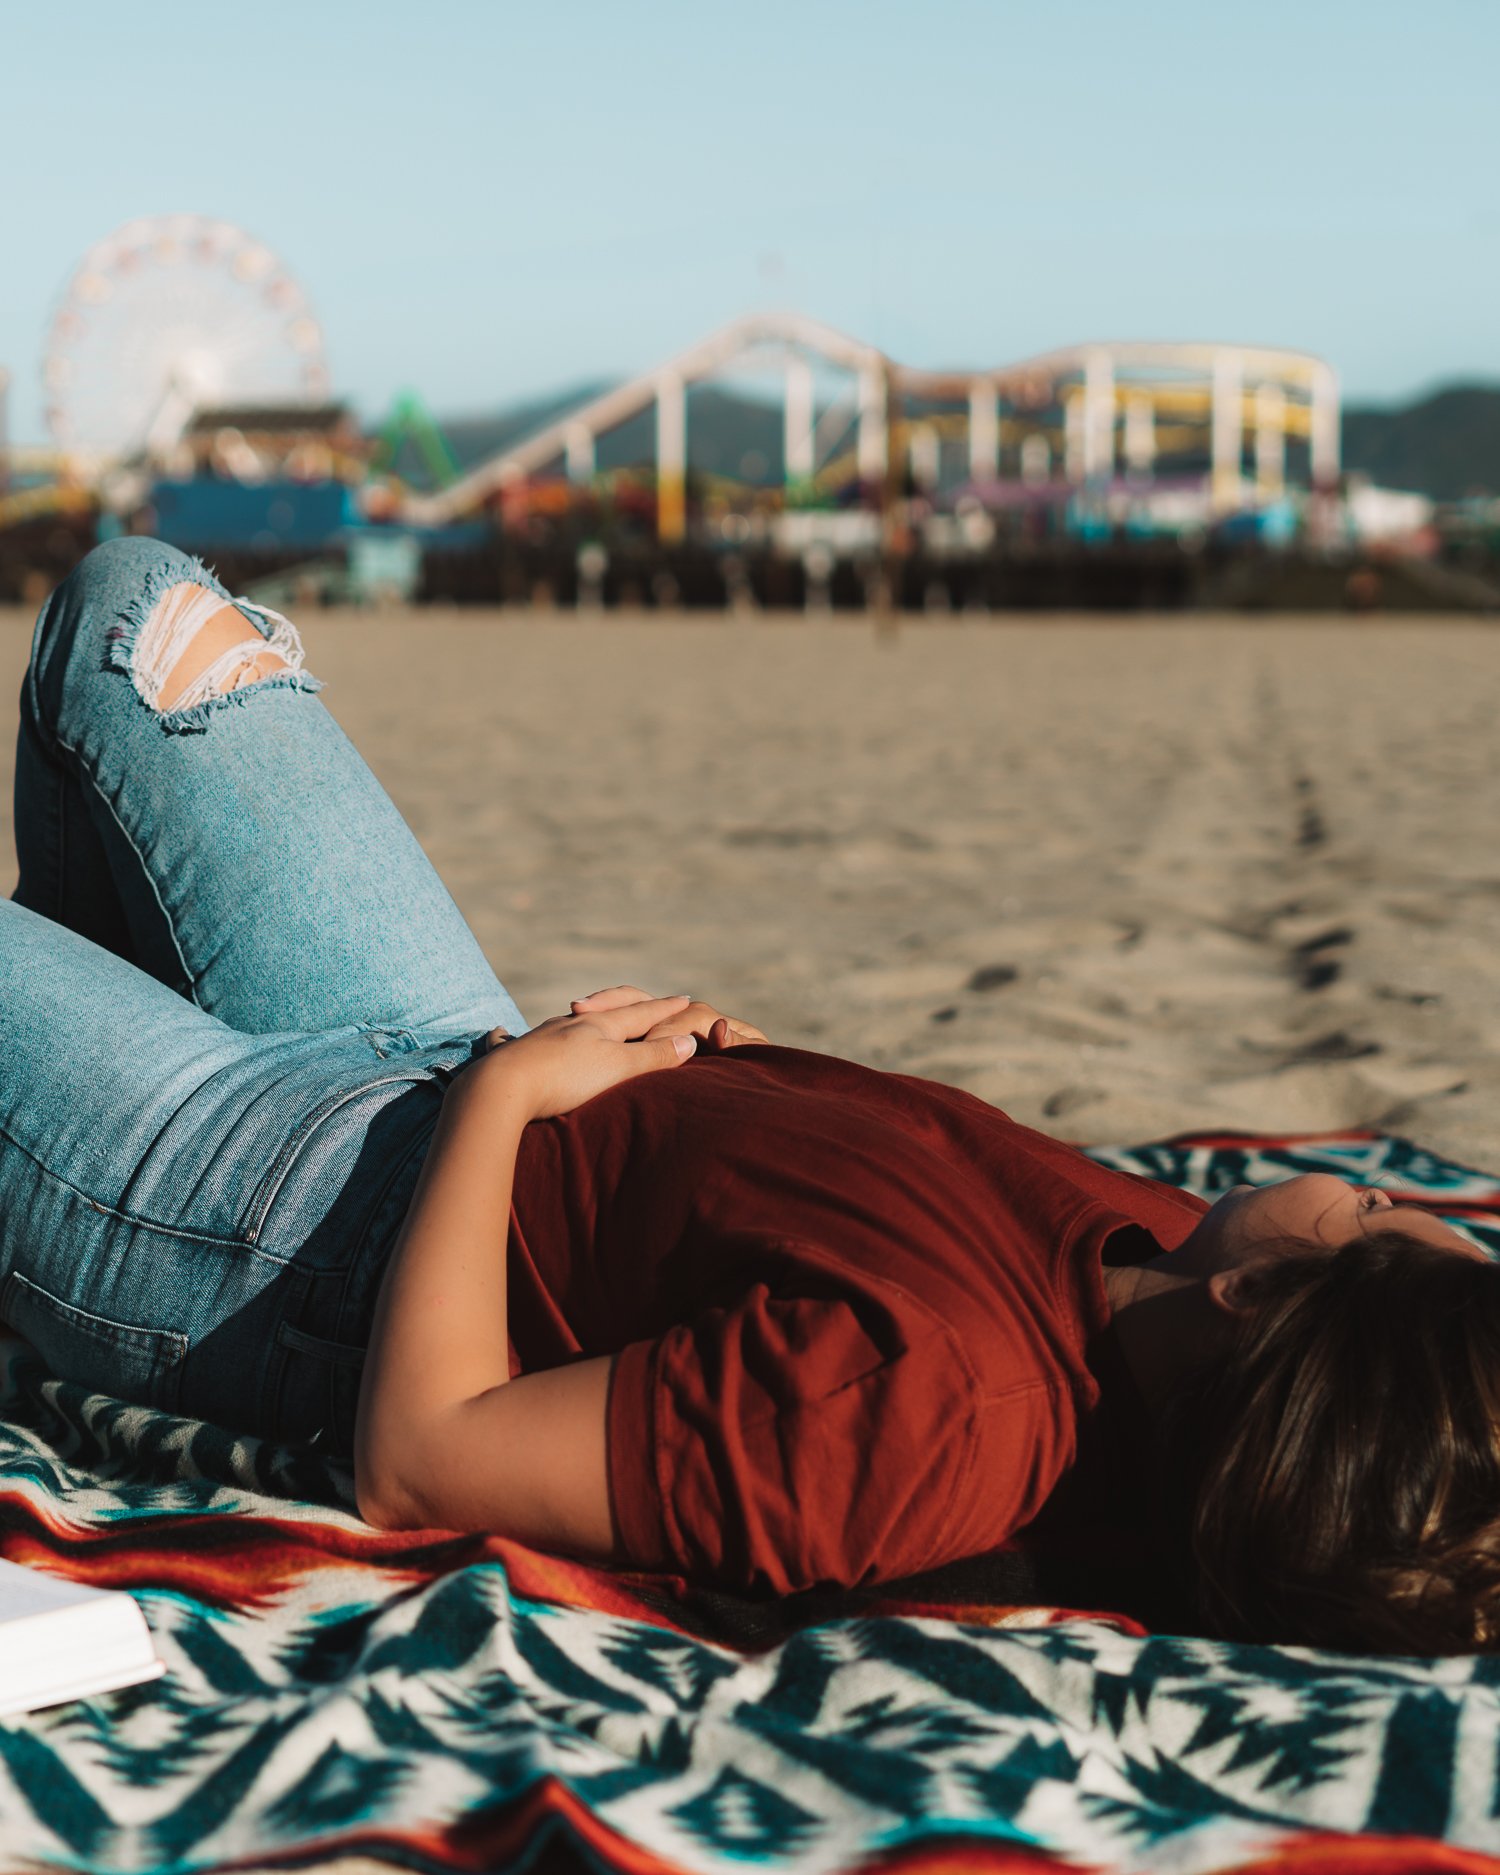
(59, 1640)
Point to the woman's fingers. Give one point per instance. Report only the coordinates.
(633, 1020)
(675, 1049)
(620, 997)
(679, 1015)
(702, 1020)
(608, 999)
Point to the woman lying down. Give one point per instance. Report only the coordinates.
(278, 1150)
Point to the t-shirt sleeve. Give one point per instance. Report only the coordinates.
(789, 1441)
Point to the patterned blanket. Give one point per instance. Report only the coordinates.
(465, 1704)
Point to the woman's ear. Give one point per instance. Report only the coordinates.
(1232, 1291)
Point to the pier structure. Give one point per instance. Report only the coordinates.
(1084, 420)
(1127, 402)
(790, 341)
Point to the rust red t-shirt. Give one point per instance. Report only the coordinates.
(851, 1310)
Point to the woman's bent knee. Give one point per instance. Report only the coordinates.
(194, 646)
(163, 619)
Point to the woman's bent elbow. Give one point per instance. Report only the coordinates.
(382, 1500)
(375, 1507)
(384, 1460)
(403, 1476)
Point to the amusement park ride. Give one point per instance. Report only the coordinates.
(1097, 407)
(164, 317)
(184, 360)
(1150, 439)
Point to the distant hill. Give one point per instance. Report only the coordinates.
(732, 434)
(1445, 445)
(474, 439)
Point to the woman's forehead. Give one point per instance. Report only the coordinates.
(1414, 1221)
(1326, 1204)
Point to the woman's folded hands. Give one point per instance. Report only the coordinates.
(611, 1036)
(714, 1029)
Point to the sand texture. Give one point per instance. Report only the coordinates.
(1120, 877)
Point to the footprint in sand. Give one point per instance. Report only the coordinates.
(1310, 966)
(993, 977)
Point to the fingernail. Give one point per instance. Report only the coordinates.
(684, 1044)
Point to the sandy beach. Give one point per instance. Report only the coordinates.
(1121, 877)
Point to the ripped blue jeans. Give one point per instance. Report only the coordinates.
(232, 988)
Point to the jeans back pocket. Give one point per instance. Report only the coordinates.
(317, 1391)
(143, 1365)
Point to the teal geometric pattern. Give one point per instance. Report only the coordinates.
(459, 1703)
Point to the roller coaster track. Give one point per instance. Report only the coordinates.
(1234, 390)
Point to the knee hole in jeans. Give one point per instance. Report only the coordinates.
(195, 645)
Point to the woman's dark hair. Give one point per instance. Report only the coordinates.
(1334, 1476)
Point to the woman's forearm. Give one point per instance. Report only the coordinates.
(443, 1436)
(440, 1335)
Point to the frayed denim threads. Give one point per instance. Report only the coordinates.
(143, 646)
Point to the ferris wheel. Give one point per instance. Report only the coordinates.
(167, 315)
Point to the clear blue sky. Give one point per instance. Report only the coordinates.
(487, 201)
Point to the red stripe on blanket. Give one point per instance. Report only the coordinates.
(1367, 1855)
(484, 1842)
(1276, 1142)
(250, 1562)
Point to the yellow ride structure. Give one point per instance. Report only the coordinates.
(1082, 415)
